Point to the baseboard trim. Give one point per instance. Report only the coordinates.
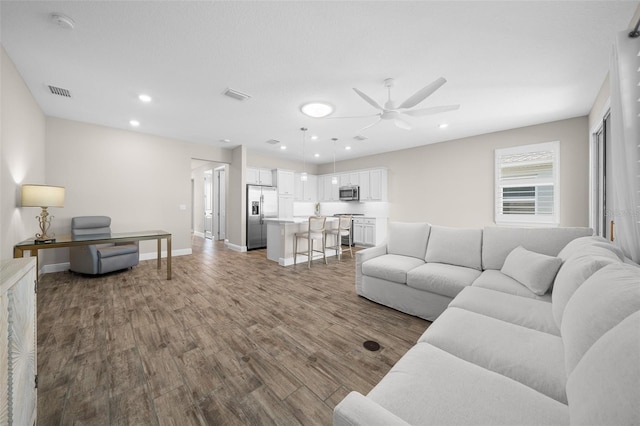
(235, 247)
(198, 234)
(61, 267)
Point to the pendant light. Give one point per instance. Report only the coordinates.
(303, 176)
(334, 178)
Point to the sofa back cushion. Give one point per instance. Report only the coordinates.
(455, 246)
(589, 245)
(408, 239)
(498, 242)
(603, 388)
(575, 271)
(602, 302)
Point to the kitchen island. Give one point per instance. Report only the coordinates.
(280, 235)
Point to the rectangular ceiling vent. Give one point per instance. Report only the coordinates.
(360, 138)
(235, 94)
(59, 91)
(273, 141)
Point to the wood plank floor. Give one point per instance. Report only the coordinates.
(232, 339)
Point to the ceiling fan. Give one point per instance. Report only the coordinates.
(392, 112)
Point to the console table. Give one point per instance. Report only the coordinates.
(87, 240)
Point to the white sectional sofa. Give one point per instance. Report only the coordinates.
(421, 268)
(502, 354)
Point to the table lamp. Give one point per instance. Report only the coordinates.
(43, 196)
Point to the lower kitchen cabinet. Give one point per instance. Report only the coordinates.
(18, 364)
(368, 231)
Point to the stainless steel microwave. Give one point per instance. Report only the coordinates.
(349, 193)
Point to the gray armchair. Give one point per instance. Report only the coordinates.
(99, 258)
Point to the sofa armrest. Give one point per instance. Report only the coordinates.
(356, 409)
(361, 257)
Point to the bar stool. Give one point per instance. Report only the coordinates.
(315, 232)
(343, 230)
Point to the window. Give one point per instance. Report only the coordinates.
(527, 184)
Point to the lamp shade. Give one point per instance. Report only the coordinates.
(42, 196)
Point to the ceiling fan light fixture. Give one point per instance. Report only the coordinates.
(317, 109)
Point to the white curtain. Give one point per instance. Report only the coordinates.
(625, 134)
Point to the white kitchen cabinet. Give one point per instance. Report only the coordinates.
(306, 190)
(330, 190)
(369, 231)
(285, 206)
(285, 182)
(349, 179)
(373, 185)
(18, 363)
(259, 176)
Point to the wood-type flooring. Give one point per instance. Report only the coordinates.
(232, 339)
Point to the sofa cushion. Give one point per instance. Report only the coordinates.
(498, 241)
(496, 280)
(455, 246)
(534, 270)
(577, 246)
(391, 267)
(117, 250)
(571, 275)
(604, 389)
(604, 300)
(523, 311)
(440, 278)
(408, 239)
(528, 356)
(430, 386)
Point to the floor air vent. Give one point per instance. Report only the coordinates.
(59, 91)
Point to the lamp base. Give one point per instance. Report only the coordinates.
(44, 241)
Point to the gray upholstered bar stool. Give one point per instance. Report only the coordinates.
(343, 230)
(315, 232)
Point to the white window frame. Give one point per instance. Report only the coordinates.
(529, 219)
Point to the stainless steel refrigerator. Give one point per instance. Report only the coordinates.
(262, 202)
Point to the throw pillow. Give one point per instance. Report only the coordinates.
(533, 270)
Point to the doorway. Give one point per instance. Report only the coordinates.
(600, 186)
(209, 199)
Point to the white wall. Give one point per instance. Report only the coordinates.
(140, 180)
(22, 156)
(265, 162)
(452, 183)
(236, 217)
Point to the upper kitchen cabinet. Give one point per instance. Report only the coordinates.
(350, 179)
(373, 185)
(327, 191)
(305, 190)
(284, 181)
(259, 176)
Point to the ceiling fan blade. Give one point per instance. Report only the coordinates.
(355, 116)
(422, 94)
(370, 125)
(429, 111)
(402, 123)
(367, 98)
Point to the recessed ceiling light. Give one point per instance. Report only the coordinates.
(316, 109)
(225, 140)
(316, 155)
(144, 98)
(134, 123)
(314, 137)
(283, 147)
(347, 148)
(443, 125)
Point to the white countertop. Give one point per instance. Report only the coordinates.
(297, 219)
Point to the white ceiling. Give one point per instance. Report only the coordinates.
(508, 64)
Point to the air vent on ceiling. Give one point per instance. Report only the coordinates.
(235, 94)
(59, 91)
(273, 141)
(360, 137)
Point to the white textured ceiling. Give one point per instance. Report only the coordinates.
(508, 64)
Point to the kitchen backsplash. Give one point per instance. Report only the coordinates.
(370, 209)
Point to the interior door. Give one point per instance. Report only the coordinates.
(221, 214)
(208, 205)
